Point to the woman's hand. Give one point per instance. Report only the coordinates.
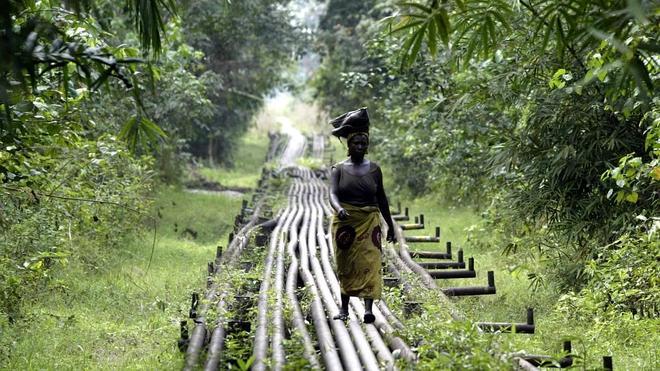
(390, 235)
(342, 214)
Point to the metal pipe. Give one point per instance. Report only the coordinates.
(469, 291)
(451, 274)
(199, 335)
(441, 265)
(550, 362)
(277, 323)
(429, 255)
(411, 226)
(326, 342)
(405, 216)
(396, 267)
(524, 365)
(473, 290)
(217, 343)
(391, 317)
(394, 257)
(403, 252)
(419, 239)
(366, 353)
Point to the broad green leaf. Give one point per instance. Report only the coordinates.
(655, 173)
(417, 44)
(640, 72)
(443, 25)
(407, 25)
(432, 41)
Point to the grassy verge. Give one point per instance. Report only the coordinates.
(249, 160)
(122, 311)
(631, 342)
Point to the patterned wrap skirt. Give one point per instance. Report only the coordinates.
(358, 251)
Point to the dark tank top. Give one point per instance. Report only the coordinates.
(358, 190)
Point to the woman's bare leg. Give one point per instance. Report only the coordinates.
(368, 314)
(343, 311)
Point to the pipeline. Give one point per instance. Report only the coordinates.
(277, 322)
(328, 348)
(292, 277)
(234, 250)
(324, 335)
(347, 347)
(261, 332)
(381, 319)
(217, 341)
(427, 280)
(300, 233)
(331, 297)
(200, 333)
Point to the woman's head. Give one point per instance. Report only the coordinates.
(358, 144)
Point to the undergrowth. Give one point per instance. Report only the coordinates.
(583, 317)
(118, 305)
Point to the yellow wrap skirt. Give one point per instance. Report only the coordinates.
(358, 250)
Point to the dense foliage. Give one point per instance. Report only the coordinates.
(99, 100)
(542, 112)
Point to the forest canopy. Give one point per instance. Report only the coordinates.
(100, 100)
(544, 113)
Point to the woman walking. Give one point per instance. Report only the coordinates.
(358, 197)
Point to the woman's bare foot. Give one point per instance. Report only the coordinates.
(342, 315)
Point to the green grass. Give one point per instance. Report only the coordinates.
(119, 314)
(248, 161)
(632, 342)
(454, 222)
(121, 311)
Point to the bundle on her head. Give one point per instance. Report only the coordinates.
(351, 124)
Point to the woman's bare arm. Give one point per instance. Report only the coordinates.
(384, 205)
(334, 199)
